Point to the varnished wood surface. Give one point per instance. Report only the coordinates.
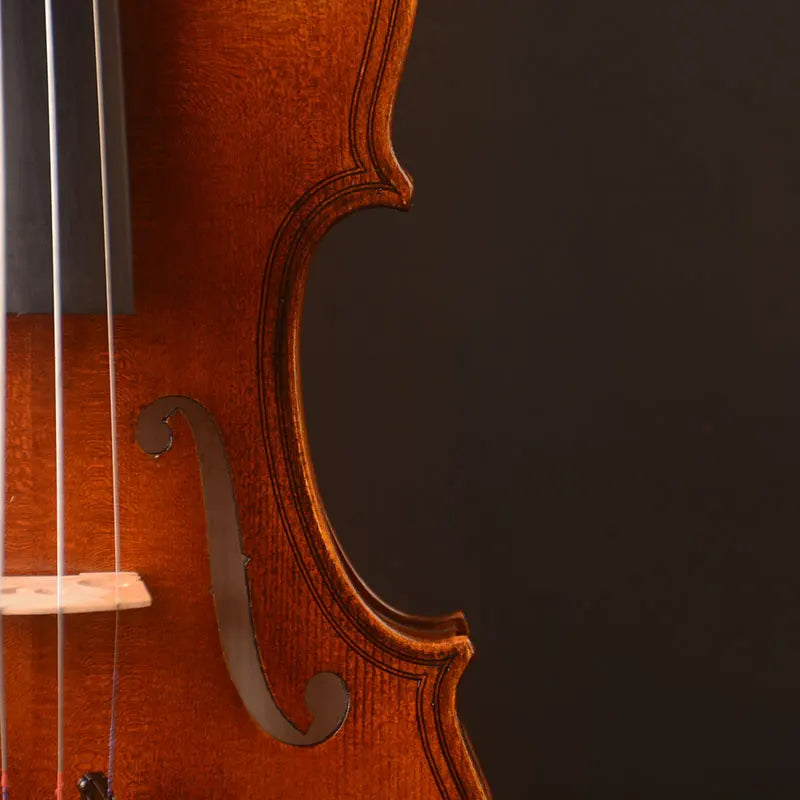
(253, 127)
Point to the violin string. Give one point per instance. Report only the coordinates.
(3, 380)
(59, 381)
(112, 380)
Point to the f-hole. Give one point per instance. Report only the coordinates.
(326, 694)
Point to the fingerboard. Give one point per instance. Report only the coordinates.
(27, 167)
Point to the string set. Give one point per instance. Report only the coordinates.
(59, 392)
(112, 381)
(58, 354)
(3, 349)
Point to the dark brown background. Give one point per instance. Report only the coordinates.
(570, 379)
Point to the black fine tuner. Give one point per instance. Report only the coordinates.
(94, 786)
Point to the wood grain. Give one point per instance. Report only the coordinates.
(253, 127)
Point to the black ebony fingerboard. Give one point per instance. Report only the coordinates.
(27, 167)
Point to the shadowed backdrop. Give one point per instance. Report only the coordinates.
(563, 393)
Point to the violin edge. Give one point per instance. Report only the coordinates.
(438, 646)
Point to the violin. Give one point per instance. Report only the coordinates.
(178, 617)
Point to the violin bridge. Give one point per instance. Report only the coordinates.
(27, 595)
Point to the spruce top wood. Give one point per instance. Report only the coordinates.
(265, 667)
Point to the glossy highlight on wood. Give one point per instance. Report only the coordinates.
(252, 128)
(326, 694)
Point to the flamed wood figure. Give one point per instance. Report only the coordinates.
(178, 619)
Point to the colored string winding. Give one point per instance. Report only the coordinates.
(112, 381)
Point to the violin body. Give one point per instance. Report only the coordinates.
(252, 128)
